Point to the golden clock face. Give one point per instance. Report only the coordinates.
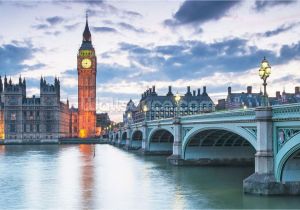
(86, 63)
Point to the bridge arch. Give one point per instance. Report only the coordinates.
(136, 139)
(137, 134)
(161, 140)
(287, 160)
(211, 142)
(124, 136)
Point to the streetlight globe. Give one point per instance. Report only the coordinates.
(145, 108)
(268, 71)
(261, 73)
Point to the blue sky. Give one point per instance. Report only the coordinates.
(145, 43)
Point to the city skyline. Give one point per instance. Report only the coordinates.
(137, 48)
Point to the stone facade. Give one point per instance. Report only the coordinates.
(73, 122)
(164, 106)
(35, 119)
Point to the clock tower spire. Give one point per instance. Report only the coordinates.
(86, 33)
(87, 71)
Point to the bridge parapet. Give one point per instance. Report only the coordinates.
(232, 115)
(286, 112)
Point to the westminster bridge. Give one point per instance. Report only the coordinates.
(268, 137)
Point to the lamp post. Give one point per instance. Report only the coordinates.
(264, 73)
(177, 100)
(145, 110)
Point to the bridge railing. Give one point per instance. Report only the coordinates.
(279, 112)
(287, 111)
(226, 115)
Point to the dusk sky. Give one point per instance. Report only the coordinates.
(143, 43)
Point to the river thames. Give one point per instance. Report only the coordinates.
(73, 177)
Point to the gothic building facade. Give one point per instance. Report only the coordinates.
(38, 119)
(153, 106)
(46, 118)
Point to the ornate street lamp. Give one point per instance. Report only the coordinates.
(177, 100)
(264, 73)
(145, 110)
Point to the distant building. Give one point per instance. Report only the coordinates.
(249, 99)
(129, 115)
(102, 122)
(42, 119)
(221, 105)
(239, 100)
(286, 98)
(164, 106)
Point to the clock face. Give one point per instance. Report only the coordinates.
(86, 63)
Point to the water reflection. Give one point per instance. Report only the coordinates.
(87, 175)
(71, 177)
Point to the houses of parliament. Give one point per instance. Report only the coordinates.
(46, 118)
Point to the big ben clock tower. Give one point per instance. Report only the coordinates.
(87, 70)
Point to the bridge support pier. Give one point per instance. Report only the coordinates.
(145, 144)
(263, 180)
(128, 139)
(120, 138)
(114, 138)
(176, 157)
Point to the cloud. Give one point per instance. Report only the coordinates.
(14, 55)
(54, 33)
(263, 5)
(200, 12)
(280, 29)
(41, 26)
(71, 26)
(104, 29)
(133, 14)
(48, 23)
(133, 48)
(105, 9)
(193, 58)
(54, 20)
(130, 27)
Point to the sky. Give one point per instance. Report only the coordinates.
(144, 43)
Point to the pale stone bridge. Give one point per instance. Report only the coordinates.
(268, 137)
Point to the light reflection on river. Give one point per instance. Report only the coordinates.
(70, 177)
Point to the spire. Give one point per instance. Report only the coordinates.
(20, 80)
(5, 81)
(87, 33)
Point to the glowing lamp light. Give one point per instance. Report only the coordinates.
(145, 108)
(177, 97)
(265, 69)
(82, 133)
